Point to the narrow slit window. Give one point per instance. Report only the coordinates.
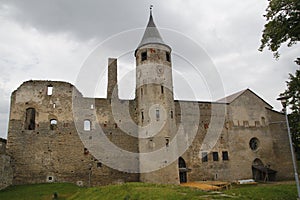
(171, 114)
(49, 90)
(157, 115)
(167, 142)
(144, 55)
(142, 113)
(162, 89)
(87, 125)
(168, 56)
(142, 92)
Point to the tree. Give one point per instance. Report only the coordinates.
(293, 94)
(283, 25)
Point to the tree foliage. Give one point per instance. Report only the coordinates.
(293, 94)
(283, 25)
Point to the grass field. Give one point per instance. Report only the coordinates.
(143, 191)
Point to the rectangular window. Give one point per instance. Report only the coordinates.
(162, 89)
(204, 157)
(168, 56)
(157, 115)
(171, 114)
(49, 90)
(144, 55)
(225, 155)
(142, 113)
(215, 156)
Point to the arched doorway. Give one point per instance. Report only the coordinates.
(261, 172)
(182, 170)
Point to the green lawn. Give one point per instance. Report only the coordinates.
(143, 191)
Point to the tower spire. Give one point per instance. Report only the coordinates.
(151, 34)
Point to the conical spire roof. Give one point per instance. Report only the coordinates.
(151, 35)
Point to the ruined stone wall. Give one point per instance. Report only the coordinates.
(6, 174)
(52, 150)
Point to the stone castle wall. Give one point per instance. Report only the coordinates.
(6, 174)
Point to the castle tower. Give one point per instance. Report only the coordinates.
(155, 107)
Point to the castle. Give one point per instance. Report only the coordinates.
(57, 135)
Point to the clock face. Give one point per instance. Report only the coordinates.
(160, 70)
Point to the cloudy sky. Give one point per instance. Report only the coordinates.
(52, 40)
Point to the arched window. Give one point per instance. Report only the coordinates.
(53, 124)
(87, 125)
(30, 119)
(254, 144)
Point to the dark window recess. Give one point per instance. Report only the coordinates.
(204, 157)
(167, 142)
(168, 58)
(30, 119)
(171, 114)
(215, 156)
(254, 143)
(85, 151)
(144, 55)
(162, 89)
(116, 125)
(142, 92)
(157, 115)
(142, 116)
(225, 155)
(99, 164)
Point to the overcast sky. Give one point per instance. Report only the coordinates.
(51, 40)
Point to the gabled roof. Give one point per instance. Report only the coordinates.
(229, 99)
(151, 34)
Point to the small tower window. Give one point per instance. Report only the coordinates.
(142, 113)
(87, 125)
(144, 55)
(30, 119)
(157, 115)
(53, 124)
(171, 114)
(168, 57)
(49, 90)
(225, 155)
(162, 89)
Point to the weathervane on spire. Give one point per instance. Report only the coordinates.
(151, 6)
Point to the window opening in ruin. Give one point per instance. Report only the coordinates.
(142, 113)
(204, 157)
(168, 57)
(49, 90)
(215, 156)
(157, 115)
(162, 89)
(53, 124)
(30, 119)
(182, 170)
(225, 155)
(54, 105)
(142, 91)
(116, 125)
(50, 179)
(171, 114)
(144, 55)
(87, 125)
(254, 144)
(92, 106)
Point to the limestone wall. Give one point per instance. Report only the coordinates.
(6, 174)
